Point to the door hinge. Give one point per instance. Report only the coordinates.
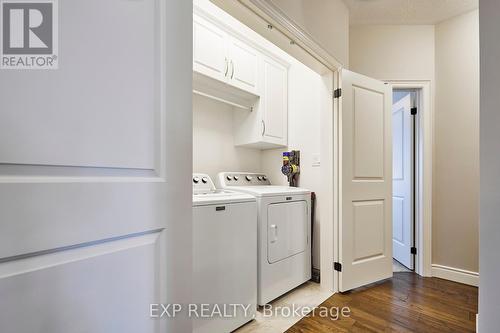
(413, 111)
(337, 93)
(337, 266)
(413, 250)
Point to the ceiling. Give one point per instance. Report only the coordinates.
(406, 11)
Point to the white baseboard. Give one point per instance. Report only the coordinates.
(456, 274)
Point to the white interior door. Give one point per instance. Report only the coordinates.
(366, 181)
(402, 198)
(91, 207)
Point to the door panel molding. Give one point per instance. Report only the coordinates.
(368, 142)
(111, 284)
(44, 259)
(58, 143)
(368, 224)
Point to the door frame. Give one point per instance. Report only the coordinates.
(409, 125)
(423, 172)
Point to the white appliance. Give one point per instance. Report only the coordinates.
(224, 256)
(284, 232)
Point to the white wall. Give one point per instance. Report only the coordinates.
(393, 52)
(447, 56)
(456, 144)
(327, 21)
(213, 146)
(489, 292)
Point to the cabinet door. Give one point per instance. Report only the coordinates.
(209, 49)
(243, 65)
(275, 102)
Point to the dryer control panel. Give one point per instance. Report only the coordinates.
(225, 179)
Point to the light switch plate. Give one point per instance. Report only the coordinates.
(316, 160)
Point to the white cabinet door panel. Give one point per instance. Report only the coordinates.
(275, 102)
(209, 49)
(243, 65)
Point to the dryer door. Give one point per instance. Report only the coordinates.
(286, 230)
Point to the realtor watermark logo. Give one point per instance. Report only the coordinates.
(29, 34)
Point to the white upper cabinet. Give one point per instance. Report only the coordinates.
(220, 56)
(267, 125)
(275, 102)
(209, 49)
(237, 66)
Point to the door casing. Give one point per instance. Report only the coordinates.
(423, 172)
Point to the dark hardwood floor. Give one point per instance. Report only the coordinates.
(405, 303)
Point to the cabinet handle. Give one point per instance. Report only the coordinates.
(263, 127)
(232, 69)
(226, 67)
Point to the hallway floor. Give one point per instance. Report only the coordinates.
(399, 267)
(405, 303)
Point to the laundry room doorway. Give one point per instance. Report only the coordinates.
(344, 266)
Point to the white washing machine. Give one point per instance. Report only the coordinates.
(284, 232)
(224, 256)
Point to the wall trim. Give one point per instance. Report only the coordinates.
(456, 275)
(274, 15)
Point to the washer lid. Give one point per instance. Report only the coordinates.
(270, 190)
(220, 197)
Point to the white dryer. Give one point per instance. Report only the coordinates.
(224, 256)
(284, 232)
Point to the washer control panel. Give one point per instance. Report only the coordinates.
(202, 183)
(225, 179)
